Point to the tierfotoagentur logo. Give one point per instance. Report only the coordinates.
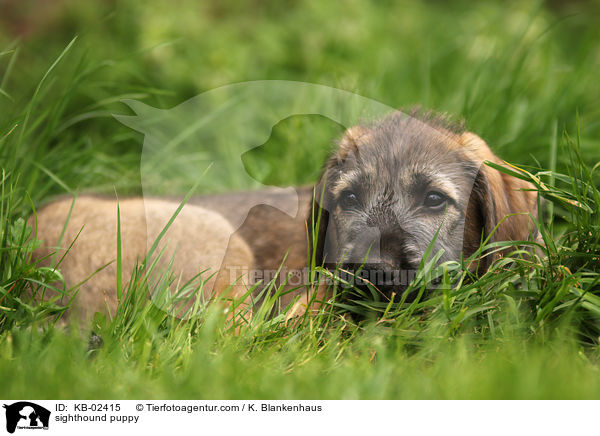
(189, 147)
(25, 415)
(346, 277)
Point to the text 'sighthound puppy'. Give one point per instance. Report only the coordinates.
(197, 240)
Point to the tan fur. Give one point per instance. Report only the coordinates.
(351, 140)
(272, 235)
(199, 239)
(509, 194)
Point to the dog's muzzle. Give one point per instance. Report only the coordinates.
(380, 281)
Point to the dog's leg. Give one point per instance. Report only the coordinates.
(311, 301)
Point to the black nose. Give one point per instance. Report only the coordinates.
(387, 272)
(381, 281)
(392, 248)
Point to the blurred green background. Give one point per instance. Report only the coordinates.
(518, 72)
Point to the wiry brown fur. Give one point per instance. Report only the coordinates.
(390, 166)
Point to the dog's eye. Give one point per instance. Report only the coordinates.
(348, 199)
(435, 199)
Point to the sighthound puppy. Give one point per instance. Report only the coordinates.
(397, 185)
(389, 190)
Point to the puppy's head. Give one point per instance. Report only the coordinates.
(395, 186)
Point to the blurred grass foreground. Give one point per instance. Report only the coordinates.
(523, 75)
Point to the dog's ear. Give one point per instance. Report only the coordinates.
(479, 218)
(351, 140)
(495, 196)
(317, 225)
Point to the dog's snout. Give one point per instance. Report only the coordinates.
(383, 260)
(387, 262)
(386, 249)
(386, 280)
(392, 246)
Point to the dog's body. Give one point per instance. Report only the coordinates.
(198, 241)
(276, 239)
(391, 189)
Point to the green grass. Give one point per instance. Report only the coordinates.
(523, 75)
